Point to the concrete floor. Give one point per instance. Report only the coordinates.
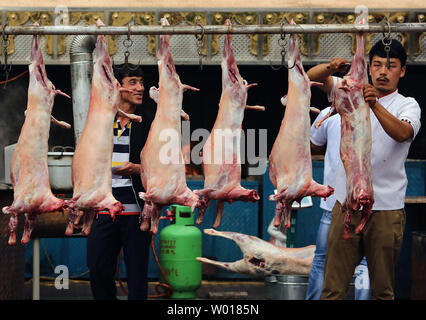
(215, 290)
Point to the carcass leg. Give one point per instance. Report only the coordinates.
(202, 210)
(151, 212)
(279, 196)
(278, 213)
(235, 266)
(30, 219)
(246, 243)
(219, 212)
(203, 203)
(145, 215)
(365, 215)
(13, 226)
(87, 222)
(73, 219)
(155, 218)
(188, 199)
(202, 206)
(316, 189)
(282, 209)
(287, 215)
(279, 208)
(347, 223)
(243, 194)
(115, 208)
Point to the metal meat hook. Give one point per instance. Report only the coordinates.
(282, 63)
(283, 43)
(126, 43)
(387, 42)
(200, 39)
(6, 68)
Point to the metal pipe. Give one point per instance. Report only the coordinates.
(81, 64)
(36, 269)
(214, 29)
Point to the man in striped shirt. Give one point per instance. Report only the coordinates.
(108, 237)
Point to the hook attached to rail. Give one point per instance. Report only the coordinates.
(387, 41)
(200, 39)
(282, 42)
(127, 43)
(6, 68)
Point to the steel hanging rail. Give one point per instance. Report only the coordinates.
(213, 29)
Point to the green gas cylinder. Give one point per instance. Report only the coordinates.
(180, 244)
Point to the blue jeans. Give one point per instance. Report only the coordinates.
(316, 277)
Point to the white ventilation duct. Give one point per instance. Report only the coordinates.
(81, 63)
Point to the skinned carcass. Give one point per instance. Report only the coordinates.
(154, 94)
(290, 159)
(91, 165)
(162, 164)
(29, 171)
(221, 161)
(262, 258)
(355, 143)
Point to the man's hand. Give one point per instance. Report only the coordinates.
(127, 169)
(395, 128)
(370, 95)
(338, 65)
(324, 71)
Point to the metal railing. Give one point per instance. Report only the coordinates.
(322, 33)
(214, 29)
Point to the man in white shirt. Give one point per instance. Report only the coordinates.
(395, 121)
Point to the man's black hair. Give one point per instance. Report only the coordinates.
(396, 51)
(127, 70)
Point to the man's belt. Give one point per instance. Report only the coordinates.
(121, 213)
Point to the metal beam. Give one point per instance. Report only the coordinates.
(213, 29)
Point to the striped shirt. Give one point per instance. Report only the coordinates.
(122, 188)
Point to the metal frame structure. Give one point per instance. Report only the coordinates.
(310, 28)
(214, 29)
(323, 32)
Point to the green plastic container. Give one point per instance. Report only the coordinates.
(180, 244)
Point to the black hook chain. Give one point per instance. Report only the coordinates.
(127, 43)
(6, 68)
(282, 42)
(387, 42)
(200, 39)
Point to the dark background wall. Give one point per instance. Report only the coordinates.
(202, 106)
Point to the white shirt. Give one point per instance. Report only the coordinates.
(328, 134)
(387, 155)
